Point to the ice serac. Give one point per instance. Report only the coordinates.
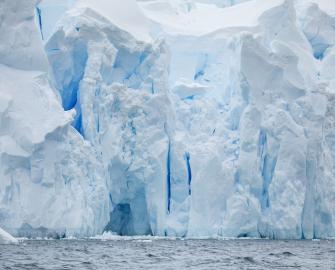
(51, 181)
(118, 86)
(256, 138)
(24, 40)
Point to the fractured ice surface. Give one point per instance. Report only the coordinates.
(193, 119)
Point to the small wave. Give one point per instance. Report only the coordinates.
(144, 240)
(288, 253)
(114, 237)
(247, 259)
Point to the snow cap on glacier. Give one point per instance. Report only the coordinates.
(127, 15)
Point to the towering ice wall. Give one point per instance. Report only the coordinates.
(193, 121)
(255, 141)
(50, 178)
(118, 86)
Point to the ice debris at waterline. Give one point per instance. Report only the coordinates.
(168, 118)
(6, 238)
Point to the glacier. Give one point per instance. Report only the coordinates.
(177, 118)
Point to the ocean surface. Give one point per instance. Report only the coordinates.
(161, 254)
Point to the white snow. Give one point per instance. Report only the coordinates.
(18, 33)
(127, 15)
(199, 19)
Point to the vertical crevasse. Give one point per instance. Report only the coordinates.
(189, 171)
(267, 168)
(168, 177)
(39, 18)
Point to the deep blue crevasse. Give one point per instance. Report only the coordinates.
(189, 171)
(168, 177)
(39, 17)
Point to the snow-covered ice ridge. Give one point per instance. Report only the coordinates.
(180, 118)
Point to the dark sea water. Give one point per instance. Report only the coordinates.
(164, 254)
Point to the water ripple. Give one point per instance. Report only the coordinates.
(166, 254)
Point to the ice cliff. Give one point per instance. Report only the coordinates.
(169, 117)
(50, 176)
